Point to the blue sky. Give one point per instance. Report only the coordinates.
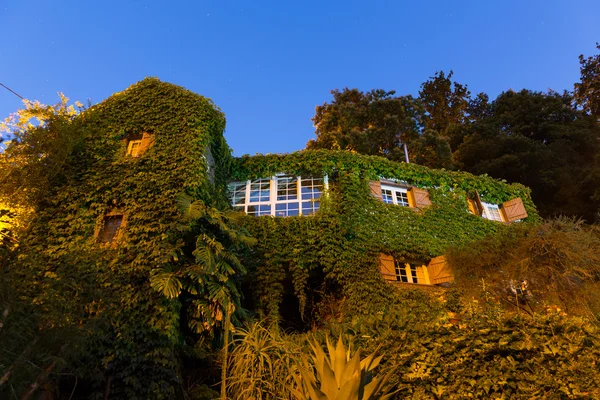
(267, 64)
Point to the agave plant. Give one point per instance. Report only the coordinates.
(338, 376)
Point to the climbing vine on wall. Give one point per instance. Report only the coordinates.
(343, 239)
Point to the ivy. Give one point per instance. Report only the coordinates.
(130, 331)
(342, 241)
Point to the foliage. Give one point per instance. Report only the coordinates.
(208, 284)
(445, 103)
(559, 259)
(541, 141)
(587, 91)
(262, 363)
(374, 123)
(339, 375)
(338, 247)
(124, 336)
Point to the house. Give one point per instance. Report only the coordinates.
(326, 221)
(373, 218)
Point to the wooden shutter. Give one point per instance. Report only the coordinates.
(439, 271)
(387, 268)
(419, 198)
(421, 275)
(475, 203)
(376, 189)
(514, 210)
(147, 142)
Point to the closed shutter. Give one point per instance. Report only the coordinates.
(439, 271)
(514, 210)
(147, 142)
(419, 197)
(386, 266)
(376, 189)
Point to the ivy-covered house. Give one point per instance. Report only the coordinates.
(352, 220)
(330, 227)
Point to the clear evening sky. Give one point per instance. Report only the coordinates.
(266, 64)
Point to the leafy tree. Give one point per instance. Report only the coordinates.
(587, 91)
(374, 123)
(539, 140)
(445, 102)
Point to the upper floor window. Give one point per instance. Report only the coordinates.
(139, 144)
(492, 212)
(509, 211)
(279, 196)
(394, 195)
(391, 192)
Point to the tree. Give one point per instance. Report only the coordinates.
(373, 123)
(587, 91)
(539, 140)
(445, 103)
(36, 157)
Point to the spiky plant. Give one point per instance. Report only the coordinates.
(339, 376)
(262, 364)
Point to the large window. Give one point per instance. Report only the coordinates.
(279, 196)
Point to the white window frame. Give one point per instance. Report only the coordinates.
(395, 190)
(272, 201)
(408, 270)
(488, 212)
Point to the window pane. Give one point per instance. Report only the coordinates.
(492, 212)
(287, 188)
(386, 195)
(312, 188)
(109, 230)
(401, 198)
(258, 210)
(401, 271)
(237, 193)
(260, 190)
(413, 272)
(287, 209)
(310, 207)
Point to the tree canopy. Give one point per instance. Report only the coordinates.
(548, 141)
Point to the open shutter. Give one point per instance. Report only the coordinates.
(147, 142)
(419, 197)
(376, 189)
(387, 268)
(514, 210)
(475, 202)
(439, 271)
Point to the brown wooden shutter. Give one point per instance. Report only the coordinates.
(387, 268)
(419, 197)
(477, 203)
(147, 142)
(473, 207)
(514, 210)
(439, 271)
(376, 189)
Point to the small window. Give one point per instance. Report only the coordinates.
(492, 212)
(406, 272)
(394, 195)
(110, 228)
(133, 147)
